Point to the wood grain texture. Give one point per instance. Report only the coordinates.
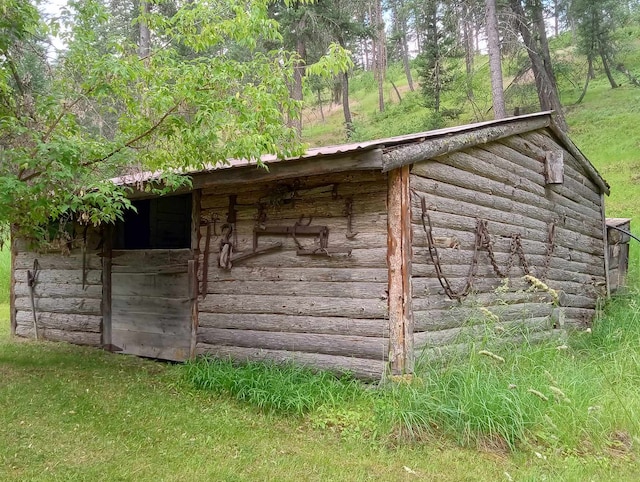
(62, 321)
(51, 334)
(341, 345)
(86, 306)
(360, 367)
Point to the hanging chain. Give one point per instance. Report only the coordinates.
(435, 258)
(483, 241)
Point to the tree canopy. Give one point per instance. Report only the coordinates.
(70, 122)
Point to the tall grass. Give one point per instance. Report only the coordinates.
(569, 395)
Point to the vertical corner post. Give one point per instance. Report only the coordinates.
(399, 271)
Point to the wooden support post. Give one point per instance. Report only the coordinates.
(193, 268)
(107, 248)
(605, 245)
(399, 266)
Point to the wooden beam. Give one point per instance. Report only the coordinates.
(434, 147)
(605, 246)
(107, 247)
(399, 266)
(193, 268)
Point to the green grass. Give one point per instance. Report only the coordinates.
(5, 274)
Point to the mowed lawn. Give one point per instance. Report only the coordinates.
(73, 413)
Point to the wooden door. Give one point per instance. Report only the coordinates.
(151, 303)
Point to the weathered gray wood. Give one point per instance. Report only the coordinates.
(473, 332)
(442, 319)
(579, 318)
(306, 185)
(517, 205)
(571, 188)
(297, 324)
(480, 300)
(149, 304)
(152, 323)
(371, 159)
(61, 276)
(107, 249)
(360, 258)
(605, 246)
(458, 178)
(144, 258)
(434, 147)
(153, 345)
(56, 261)
(360, 290)
(87, 306)
(341, 345)
(262, 274)
(443, 213)
(501, 240)
(140, 284)
(295, 305)
(61, 290)
(362, 368)
(594, 175)
(399, 263)
(62, 321)
(75, 337)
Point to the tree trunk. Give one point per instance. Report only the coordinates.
(298, 74)
(545, 83)
(380, 54)
(144, 47)
(401, 30)
(586, 82)
(607, 70)
(348, 121)
(467, 38)
(495, 60)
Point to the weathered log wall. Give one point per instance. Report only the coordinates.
(504, 184)
(67, 292)
(328, 311)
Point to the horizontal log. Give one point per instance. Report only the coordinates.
(61, 276)
(87, 306)
(60, 290)
(295, 305)
(359, 290)
(150, 257)
(293, 168)
(438, 302)
(295, 274)
(436, 146)
(276, 199)
(570, 188)
(172, 285)
(150, 304)
(579, 318)
(563, 236)
(359, 367)
(582, 162)
(296, 324)
(469, 333)
(443, 319)
(500, 239)
(302, 183)
(75, 337)
(499, 225)
(359, 258)
(58, 261)
(524, 145)
(62, 321)
(152, 323)
(341, 345)
(516, 207)
(529, 193)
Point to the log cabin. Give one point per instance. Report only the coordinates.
(361, 257)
